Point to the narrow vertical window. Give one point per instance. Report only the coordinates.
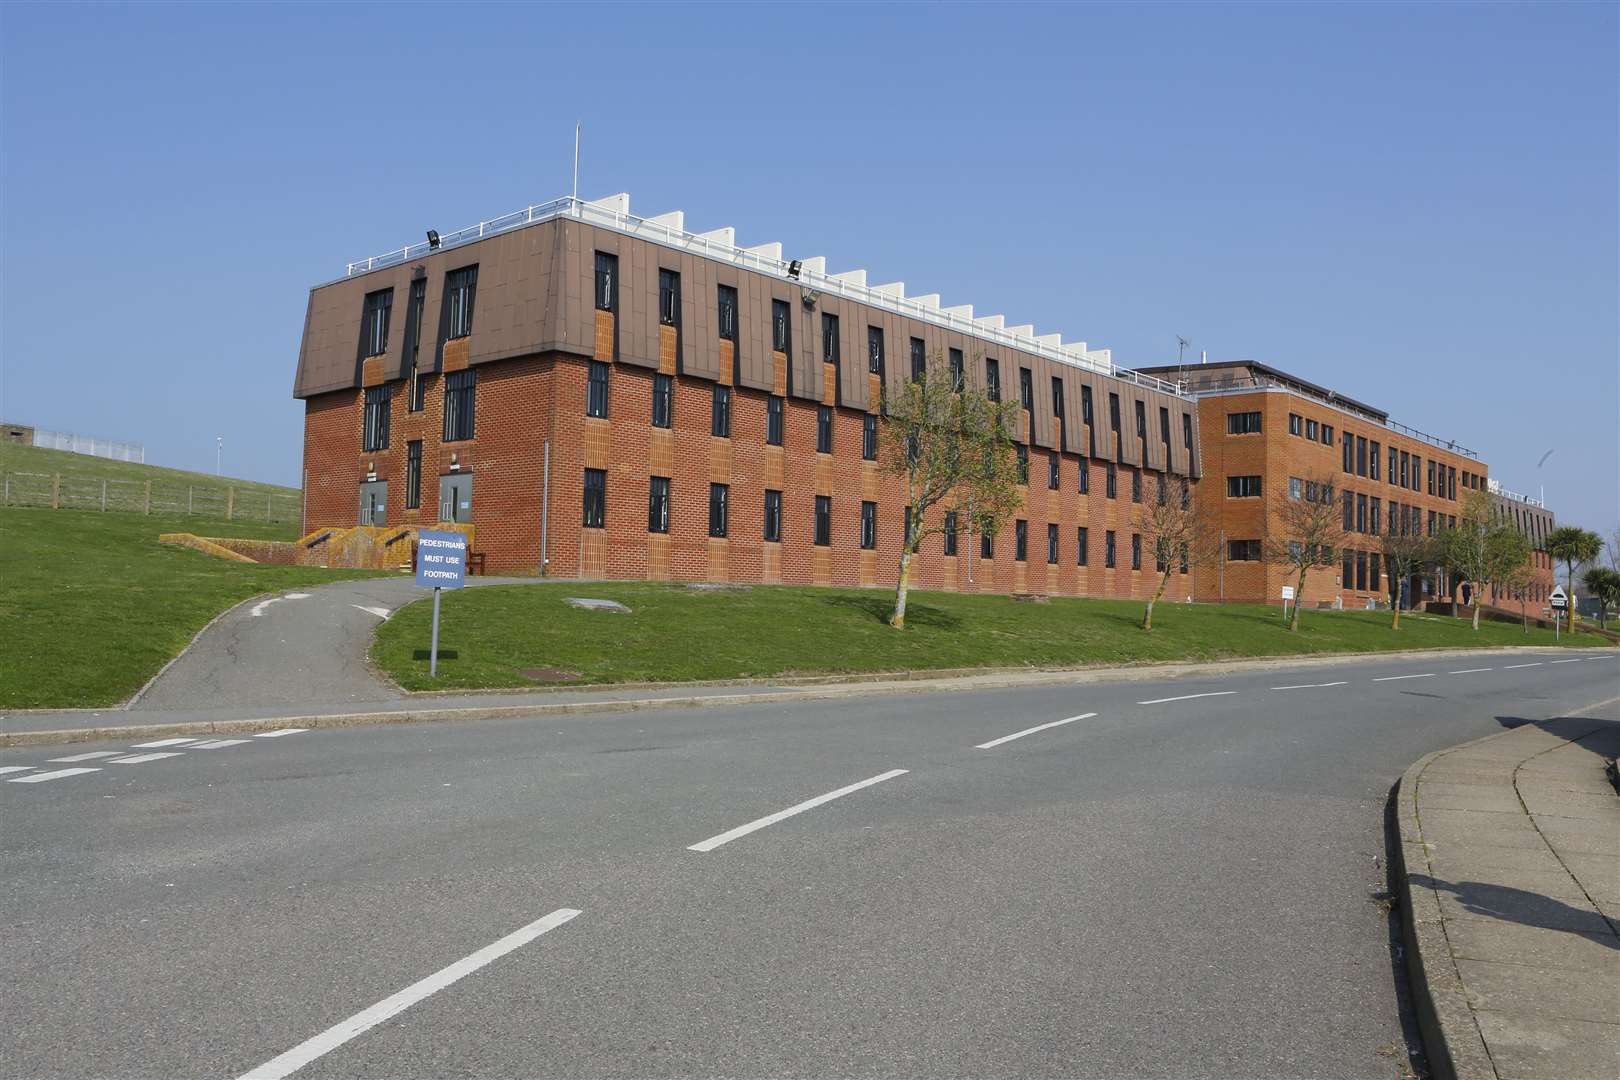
(669, 298)
(919, 360)
(1111, 480)
(459, 388)
(1085, 406)
(956, 368)
(1374, 455)
(658, 504)
(607, 282)
(413, 474)
(1026, 389)
(773, 421)
(824, 429)
(992, 380)
(1085, 476)
(1023, 463)
(874, 350)
(460, 287)
(950, 532)
(1349, 444)
(727, 315)
(780, 314)
(1053, 472)
(663, 400)
(1020, 540)
(1136, 551)
(413, 343)
(1164, 428)
(1108, 549)
(720, 412)
(830, 351)
(1136, 485)
(868, 525)
(823, 535)
(595, 503)
(987, 541)
(596, 390)
(374, 323)
(1361, 456)
(773, 516)
(1082, 542)
(719, 509)
(1052, 545)
(375, 420)
(869, 437)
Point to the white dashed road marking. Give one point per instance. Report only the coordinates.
(1393, 678)
(334, 1037)
(1186, 697)
(216, 744)
(58, 774)
(14, 768)
(1033, 730)
(1575, 661)
(809, 804)
(162, 742)
(1309, 685)
(279, 734)
(91, 756)
(1510, 667)
(139, 759)
(1469, 670)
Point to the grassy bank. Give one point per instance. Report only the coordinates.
(91, 605)
(524, 636)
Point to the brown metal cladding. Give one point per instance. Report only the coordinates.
(805, 337)
(638, 303)
(1156, 455)
(1076, 415)
(1044, 426)
(852, 389)
(753, 334)
(510, 313)
(1130, 444)
(329, 359)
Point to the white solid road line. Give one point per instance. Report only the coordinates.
(91, 756)
(15, 768)
(1393, 678)
(40, 778)
(1033, 730)
(1577, 660)
(161, 742)
(333, 1037)
(1309, 685)
(279, 734)
(139, 759)
(1469, 670)
(1510, 667)
(1186, 697)
(809, 804)
(216, 744)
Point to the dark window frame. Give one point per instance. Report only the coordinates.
(773, 516)
(460, 405)
(596, 389)
(607, 281)
(593, 499)
(719, 510)
(773, 421)
(413, 474)
(824, 429)
(720, 411)
(669, 297)
(375, 313)
(726, 312)
(375, 418)
(663, 400)
(868, 525)
(460, 301)
(823, 521)
(658, 509)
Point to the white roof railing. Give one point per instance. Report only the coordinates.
(669, 230)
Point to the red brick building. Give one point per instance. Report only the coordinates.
(608, 396)
(1535, 521)
(1268, 435)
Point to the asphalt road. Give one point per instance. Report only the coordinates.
(1176, 888)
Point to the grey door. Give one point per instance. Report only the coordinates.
(455, 497)
(374, 503)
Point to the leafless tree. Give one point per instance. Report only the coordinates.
(1307, 533)
(1179, 531)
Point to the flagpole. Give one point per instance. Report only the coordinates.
(576, 161)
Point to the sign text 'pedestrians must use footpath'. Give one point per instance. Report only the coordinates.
(441, 560)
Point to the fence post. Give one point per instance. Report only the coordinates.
(230, 501)
(267, 509)
(103, 496)
(189, 490)
(148, 504)
(56, 491)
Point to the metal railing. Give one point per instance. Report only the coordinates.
(669, 235)
(1247, 384)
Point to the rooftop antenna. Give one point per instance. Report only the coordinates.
(1181, 363)
(577, 126)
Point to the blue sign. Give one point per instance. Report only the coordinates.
(441, 560)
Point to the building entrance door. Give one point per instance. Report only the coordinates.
(374, 502)
(455, 498)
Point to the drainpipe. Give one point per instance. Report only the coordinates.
(545, 505)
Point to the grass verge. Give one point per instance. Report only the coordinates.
(91, 605)
(529, 635)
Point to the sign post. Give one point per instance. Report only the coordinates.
(1287, 594)
(1559, 602)
(441, 563)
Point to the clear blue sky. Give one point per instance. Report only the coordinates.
(1415, 205)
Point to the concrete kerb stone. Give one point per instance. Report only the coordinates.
(1452, 1041)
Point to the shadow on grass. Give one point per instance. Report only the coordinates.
(879, 608)
(444, 654)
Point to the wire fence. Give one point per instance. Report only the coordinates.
(222, 502)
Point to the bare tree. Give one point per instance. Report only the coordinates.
(1180, 532)
(1517, 584)
(1482, 548)
(1307, 533)
(952, 447)
(1404, 554)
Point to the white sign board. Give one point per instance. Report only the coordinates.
(1288, 592)
(1559, 601)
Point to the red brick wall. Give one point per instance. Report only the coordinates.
(523, 402)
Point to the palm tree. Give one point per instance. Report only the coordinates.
(1604, 584)
(1573, 545)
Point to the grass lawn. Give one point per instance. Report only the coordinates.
(675, 633)
(91, 605)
